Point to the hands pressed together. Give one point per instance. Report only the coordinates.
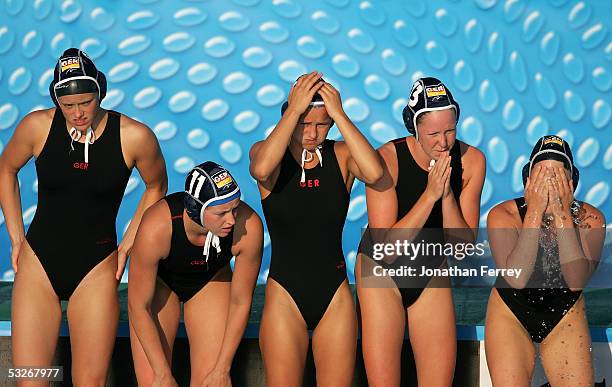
(438, 180)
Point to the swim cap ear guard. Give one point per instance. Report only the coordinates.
(317, 100)
(427, 95)
(75, 73)
(552, 148)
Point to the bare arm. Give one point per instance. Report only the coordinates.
(247, 250)
(465, 214)
(382, 199)
(514, 246)
(383, 206)
(143, 149)
(266, 155)
(579, 248)
(18, 151)
(367, 167)
(152, 243)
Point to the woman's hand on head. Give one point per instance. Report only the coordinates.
(303, 90)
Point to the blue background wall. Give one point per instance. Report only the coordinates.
(209, 77)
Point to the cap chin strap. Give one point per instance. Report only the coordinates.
(211, 240)
(90, 137)
(306, 153)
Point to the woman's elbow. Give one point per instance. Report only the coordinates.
(374, 174)
(258, 172)
(377, 174)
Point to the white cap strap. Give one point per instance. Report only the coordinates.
(90, 137)
(306, 153)
(211, 239)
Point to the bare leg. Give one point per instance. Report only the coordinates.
(283, 338)
(35, 315)
(93, 314)
(166, 311)
(432, 330)
(382, 332)
(334, 341)
(566, 355)
(205, 321)
(509, 348)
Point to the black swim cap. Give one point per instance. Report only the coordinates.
(552, 148)
(208, 184)
(75, 73)
(428, 94)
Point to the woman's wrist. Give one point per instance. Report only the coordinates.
(17, 240)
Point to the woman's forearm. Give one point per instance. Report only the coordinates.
(575, 266)
(362, 153)
(10, 200)
(237, 320)
(150, 196)
(525, 251)
(148, 336)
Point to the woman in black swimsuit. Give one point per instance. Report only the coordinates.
(304, 181)
(556, 242)
(182, 254)
(431, 181)
(84, 157)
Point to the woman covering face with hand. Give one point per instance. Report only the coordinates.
(304, 181)
(555, 241)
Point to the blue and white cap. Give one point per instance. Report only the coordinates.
(208, 184)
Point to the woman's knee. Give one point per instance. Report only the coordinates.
(88, 377)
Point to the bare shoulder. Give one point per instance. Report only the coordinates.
(470, 155)
(155, 224)
(133, 130)
(504, 214)
(140, 148)
(592, 216)
(32, 131)
(42, 116)
(387, 149)
(388, 153)
(390, 168)
(248, 230)
(343, 155)
(38, 120)
(340, 147)
(248, 217)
